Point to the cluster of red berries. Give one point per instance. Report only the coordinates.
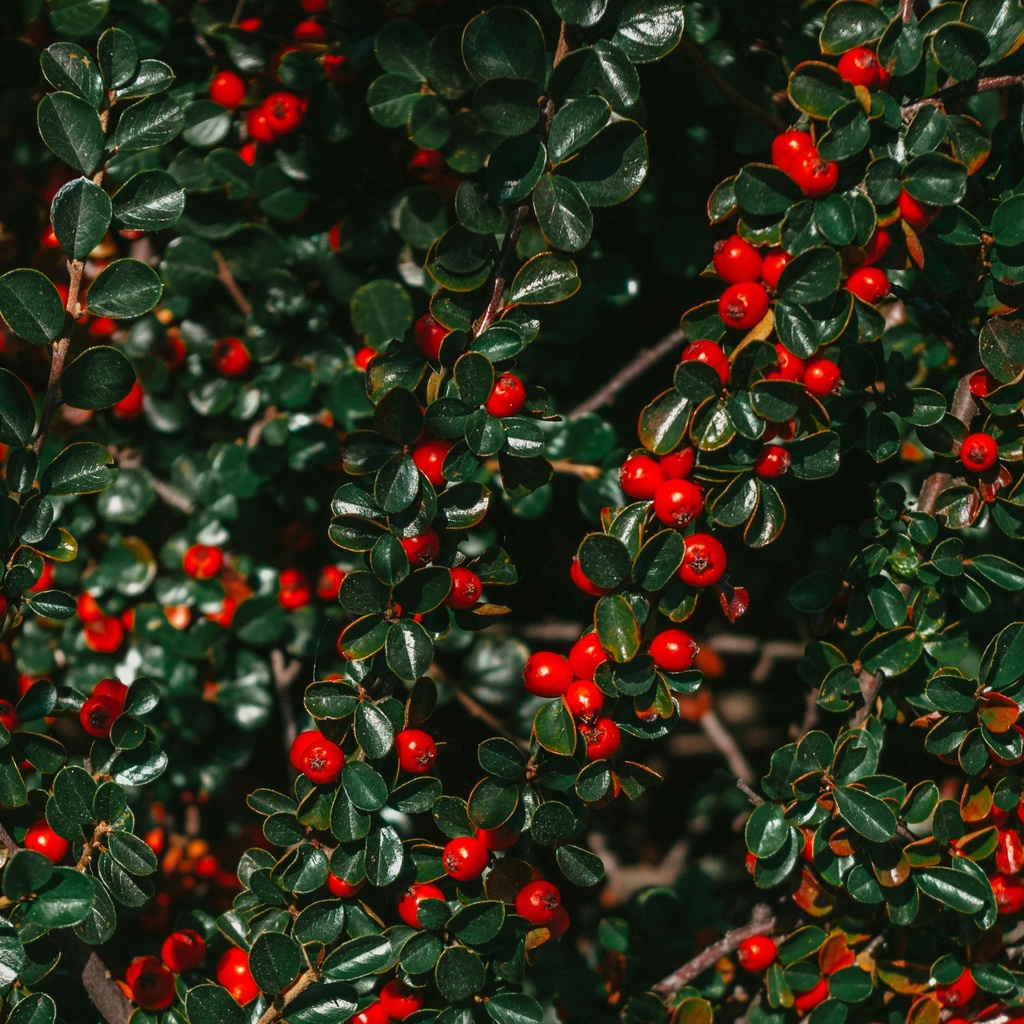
(150, 979)
(103, 708)
(322, 760)
(396, 1001)
(101, 632)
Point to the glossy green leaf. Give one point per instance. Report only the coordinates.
(545, 279)
(31, 306)
(149, 201)
(80, 214)
(125, 288)
(611, 167)
(504, 42)
(17, 413)
(97, 379)
(71, 129)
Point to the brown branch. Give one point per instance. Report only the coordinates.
(643, 360)
(227, 279)
(747, 791)
(285, 673)
(726, 744)
(906, 10)
(961, 89)
(99, 983)
(762, 922)
(91, 845)
(501, 269)
(8, 843)
(275, 1011)
(870, 685)
(479, 712)
(963, 408)
(730, 92)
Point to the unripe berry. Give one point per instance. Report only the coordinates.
(773, 462)
(736, 260)
(757, 953)
(547, 674)
(704, 560)
(979, 452)
(183, 950)
(538, 901)
(416, 749)
(507, 396)
(464, 858)
(678, 502)
(640, 476)
(788, 146)
(227, 89)
(743, 306)
(708, 352)
(465, 591)
(868, 283)
(602, 738)
(673, 650)
(409, 904)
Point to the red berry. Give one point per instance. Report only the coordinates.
(773, 266)
(362, 358)
(104, 635)
(293, 590)
(822, 378)
(283, 112)
(678, 502)
(258, 125)
(583, 582)
(979, 452)
(703, 560)
(98, 714)
(331, 578)
(878, 245)
(339, 887)
(496, 838)
(673, 650)
(409, 904)
(151, 984)
(790, 366)
(1009, 893)
(584, 700)
(585, 656)
(129, 407)
(982, 383)
(465, 590)
(250, 24)
(299, 744)
(506, 397)
(464, 858)
(230, 357)
(547, 674)
(8, 716)
(321, 760)
(917, 214)
(399, 1000)
(183, 950)
(248, 153)
(233, 974)
(804, 1001)
(788, 146)
(429, 459)
(42, 839)
(743, 306)
(860, 66)
(602, 738)
(423, 548)
(202, 562)
(757, 953)
(372, 1014)
(868, 283)
(704, 351)
(959, 992)
(227, 89)
(678, 464)
(426, 164)
(640, 476)
(417, 750)
(429, 334)
(773, 462)
(538, 901)
(309, 31)
(736, 260)
(814, 175)
(313, 6)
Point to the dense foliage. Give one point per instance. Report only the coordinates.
(347, 637)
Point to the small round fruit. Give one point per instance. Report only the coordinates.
(507, 396)
(399, 1000)
(704, 560)
(788, 146)
(202, 562)
(790, 365)
(640, 476)
(466, 589)
(736, 260)
(258, 125)
(868, 283)
(151, 984)
(227, 89)
(773, 462)
(423, 548)
(673, 650)
(979, 452)
(878, 245)
(284, 112)
(860, 66)
(409, 904)
(547, 674)
(982, 383)
(342, 889)
(602, 738)
(233, 974)
(372, 1014)
(709, 352)
(361, 360)
(293, 590)
(959, 992)
(583, 582)
(429, 334)
(1009, 893)
(321, 761)
(129, 407)
(464, 858)
(8, 716)
(584, 700)
(330, 581)
(757, 953)
(773, 265)
(104, 635)
(743, 306)
(497, 838)
(183, 950)
(42, 839)
(804, 1001)
(814, 175)
(97, 715)
(917, 214)
(300, 743)
(585, 655)
(429, 460)
(426, 164)
(230, 357)
(417, 750)
(678, 502)
(822, 378)
(678, 465)
(538, 901)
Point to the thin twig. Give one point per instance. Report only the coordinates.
(98, 982)
(961, 89)
(91, 845)
(227, 279)
(9, 844)
(285, 673)
(753, 797)
(275, 1011)
(726, 744)
(963, 408)
(906, 11)
(870, 684)
(730, 92)
(478, 711)
(762, 922)
(501, 269)
(643, 360)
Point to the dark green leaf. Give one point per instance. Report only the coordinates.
(80, 214)
(504, 42)
(125, 288)
(71, 129)
(97, 379)
(32, 306)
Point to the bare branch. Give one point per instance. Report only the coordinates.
(501, 269)
(753, 797)
(726, 744)
(227, 279)
(906, 10)
(285, 673)
(479, 712)
(99, 983)
(275, 1011)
